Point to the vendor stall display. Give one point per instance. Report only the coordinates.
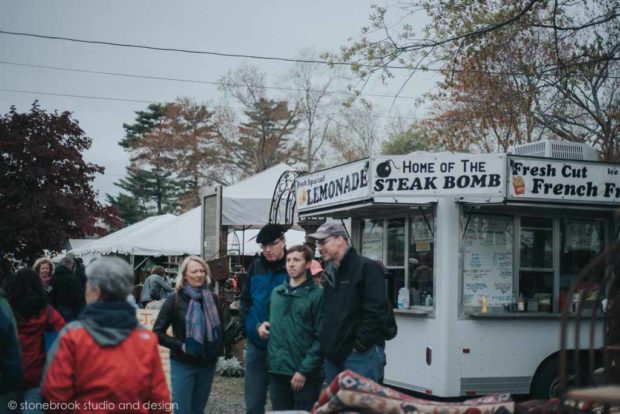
(481, 250)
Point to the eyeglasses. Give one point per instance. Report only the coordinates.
(324, 241)
(272, 244)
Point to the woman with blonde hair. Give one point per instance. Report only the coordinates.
(44, 268)
(196, 339)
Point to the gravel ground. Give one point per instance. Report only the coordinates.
(227, 396)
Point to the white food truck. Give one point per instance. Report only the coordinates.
(485, 246)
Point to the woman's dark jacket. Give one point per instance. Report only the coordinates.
(173, 313)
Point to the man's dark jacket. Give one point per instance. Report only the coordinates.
(67, 295)
(356, 312)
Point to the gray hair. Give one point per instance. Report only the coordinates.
(67, 262)
(113, 277)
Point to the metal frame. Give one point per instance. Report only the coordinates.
(284, 191)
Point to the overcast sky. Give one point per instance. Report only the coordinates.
(269, 28)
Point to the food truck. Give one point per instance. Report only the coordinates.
(480, 251)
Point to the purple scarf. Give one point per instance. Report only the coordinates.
(202, 321)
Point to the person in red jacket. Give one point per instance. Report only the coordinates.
(104, 362)
(33, 315)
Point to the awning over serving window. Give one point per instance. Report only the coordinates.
(537, 204)
(370, 206)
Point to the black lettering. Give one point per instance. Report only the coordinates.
(347, 184)
(402, 184)
(610, 188)
(592, 190)
(463, 181)
(379, 184)
(406, 166)
(416, 184)
(479, 181)
(448, 181)
(331, 189)
(429, 183)
(494, 180)
(339, 187)
(538, 182)
(355, 178)
(390, 183)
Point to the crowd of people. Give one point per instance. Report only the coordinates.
(304, 324)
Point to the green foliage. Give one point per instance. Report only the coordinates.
(146, 121)
(415, 138)
(265, 139)
(128, 208)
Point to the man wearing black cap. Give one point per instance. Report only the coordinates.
(355, 324)
(266, 273)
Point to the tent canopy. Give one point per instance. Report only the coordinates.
(247, 203)
(132, 240)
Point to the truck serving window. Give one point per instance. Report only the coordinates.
(405, 247)
(421, 259)
(527, 262)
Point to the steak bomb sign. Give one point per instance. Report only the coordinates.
(344, 183)
(536, 178)
(439, 174)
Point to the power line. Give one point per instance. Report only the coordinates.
(76, 96)
(550, 67)
(193, 51)
(195, 81)
(144, 101)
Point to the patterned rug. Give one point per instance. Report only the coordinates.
(352, 393)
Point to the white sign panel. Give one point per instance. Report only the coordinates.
(487, 261)
(439, 174)
(340, 184)
(566, 180)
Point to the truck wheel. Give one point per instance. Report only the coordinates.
(546, 382)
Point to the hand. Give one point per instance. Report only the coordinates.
(183, 348)
(263, 330)
(298, 381)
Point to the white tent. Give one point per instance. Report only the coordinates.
(127, 240)
(247, 203)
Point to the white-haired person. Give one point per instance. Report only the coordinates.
(104, 360)
(196, 339)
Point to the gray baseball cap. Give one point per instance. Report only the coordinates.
(329, 229)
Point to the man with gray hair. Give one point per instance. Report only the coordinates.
(67, 295)
(106, 345)
(356, 307)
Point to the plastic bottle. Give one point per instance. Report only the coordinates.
(485, 303)
(521, 304)
(429, 300)
(576, 300)
(403, 298)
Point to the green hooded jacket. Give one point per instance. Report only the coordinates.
(295, 318)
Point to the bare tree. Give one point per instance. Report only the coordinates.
(560, 59)
(316, 104)
(357, 133)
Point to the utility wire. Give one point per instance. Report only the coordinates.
(549, 68)
(193, 51)
(102, 98)
(197, 81)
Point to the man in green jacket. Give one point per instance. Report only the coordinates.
(295, 319)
